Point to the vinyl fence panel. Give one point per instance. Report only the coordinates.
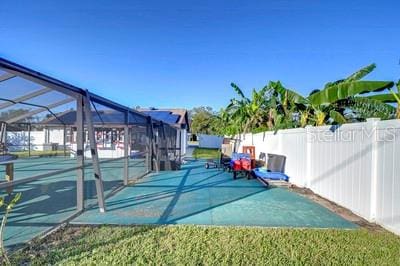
(354, 165)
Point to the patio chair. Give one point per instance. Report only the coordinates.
(275, 170)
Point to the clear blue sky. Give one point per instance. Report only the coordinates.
(186, 53)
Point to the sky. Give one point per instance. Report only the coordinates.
(186, 53)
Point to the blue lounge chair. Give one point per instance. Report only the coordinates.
(266, 174)
(274, 170)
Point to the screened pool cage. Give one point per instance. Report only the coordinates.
(73, 148)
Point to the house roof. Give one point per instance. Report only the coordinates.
(174, 116)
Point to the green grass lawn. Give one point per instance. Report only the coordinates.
(203, 153)
(199, 245)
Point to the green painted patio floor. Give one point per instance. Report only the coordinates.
(47, 202)
(195, 195)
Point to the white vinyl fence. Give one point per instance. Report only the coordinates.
(355, 165)
(210, 141)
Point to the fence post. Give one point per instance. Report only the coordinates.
(374, 166)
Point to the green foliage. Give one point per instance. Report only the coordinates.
(337, 117)
(365, 107)
(7, 209)
(204, 153)
(386, 97)
(345, 90)
(275, 107)
(361, 73)
(355, 76)
(203, 120)
(239, 91)
(199, 245)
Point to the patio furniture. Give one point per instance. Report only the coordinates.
(223, 162)
(241, 164)
(251, 150)
(273, 172)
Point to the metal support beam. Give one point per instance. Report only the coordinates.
(39, 110)
(180, 145)
(167, 162)
(29, 139)
(126, 154)
(65, 141)
(6, 76)
(155, 159)
(80, 195)
(93, 150)
(3, 137)
(149, 149)
(25, 97)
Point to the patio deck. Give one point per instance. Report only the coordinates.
(47, 202)
(195, 195)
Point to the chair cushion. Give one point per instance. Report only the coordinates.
(270, 175)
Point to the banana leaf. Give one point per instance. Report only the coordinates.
(355, 76)
(361, 73)
(239, 91)
(347, 89)
(386, 98)
(292, 96)
(337, 117)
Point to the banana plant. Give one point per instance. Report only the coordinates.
(346, 95)
(392, 97)
(275, 107)
(286, 104)
(248, 113)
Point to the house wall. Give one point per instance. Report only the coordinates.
(38, 139)
(56, 136)
(356, 165)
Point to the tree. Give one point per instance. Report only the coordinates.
(203, 120)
